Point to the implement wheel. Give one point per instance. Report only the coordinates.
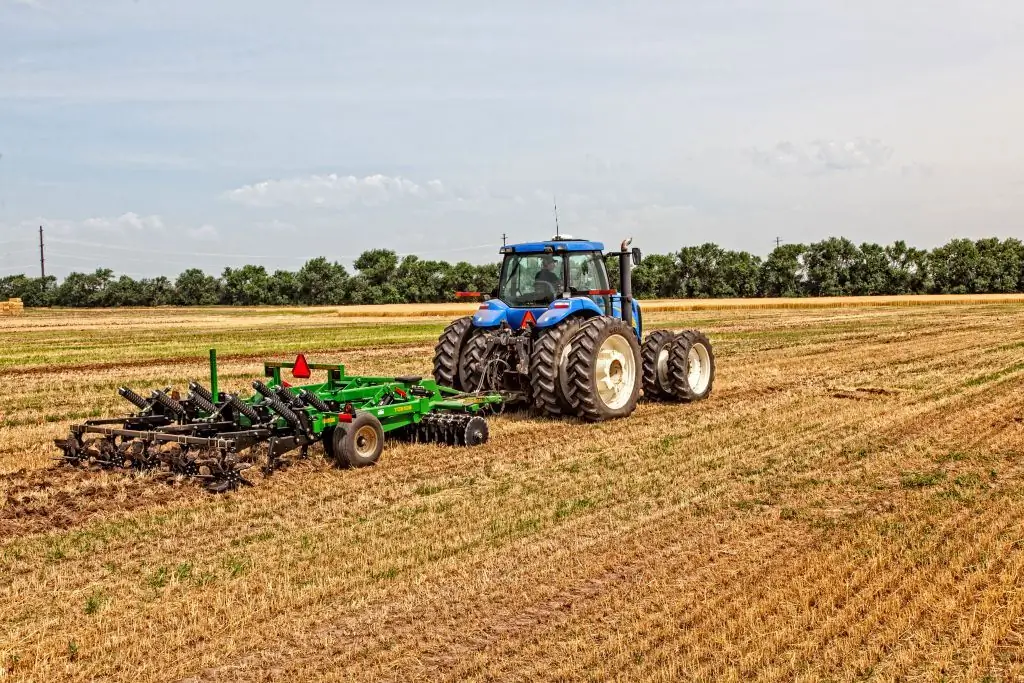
(358, 443)
(604, 369)
(448, 351)
(549, 369)
(691, 366)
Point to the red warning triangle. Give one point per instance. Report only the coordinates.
(301, 368)
(528, 319)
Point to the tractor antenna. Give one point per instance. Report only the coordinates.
(557, 231)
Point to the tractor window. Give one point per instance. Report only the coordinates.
(587, 272)
(531, 279)
(536, 279)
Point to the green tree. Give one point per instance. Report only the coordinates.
(322, 283)
(195, 288)
(657, 277)
(283, 288)
(783, 274)
(830, 266)
(83, 289)
(246, 286)
(954, 267)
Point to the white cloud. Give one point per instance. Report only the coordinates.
(205, 233)
(334, 190)
(821, 156)
(130, 221)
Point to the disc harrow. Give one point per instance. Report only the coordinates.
(214, 437)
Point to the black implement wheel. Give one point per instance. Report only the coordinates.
(691, 366)
(549, 369)
(655, 353)
(358, 443)
(448, 352)
(604, 369)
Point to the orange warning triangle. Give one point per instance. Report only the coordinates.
(528, 319)
(301, 368)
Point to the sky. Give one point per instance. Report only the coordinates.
(149, 136)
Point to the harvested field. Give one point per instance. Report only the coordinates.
(848, 505)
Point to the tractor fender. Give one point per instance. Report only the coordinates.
(491, 314)
(564, 308)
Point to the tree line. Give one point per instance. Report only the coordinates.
(832, 267)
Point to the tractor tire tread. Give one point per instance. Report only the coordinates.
(448, 350)
(678, 365)
(586, 344)
(652, 347)
(545, 365)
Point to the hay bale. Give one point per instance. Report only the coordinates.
(12, 307)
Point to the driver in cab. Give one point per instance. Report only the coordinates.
(548, 275)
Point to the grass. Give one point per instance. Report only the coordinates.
(779, 531)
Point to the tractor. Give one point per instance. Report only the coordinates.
(556, 338)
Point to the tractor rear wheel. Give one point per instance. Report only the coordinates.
(549, 371)
(655, 353)
(604, 369)
(691, 365)
(358, 443)
(472, 363)
(448, 350)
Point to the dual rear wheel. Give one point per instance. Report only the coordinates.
(678, 366)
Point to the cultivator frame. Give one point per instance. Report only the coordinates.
(213, 436)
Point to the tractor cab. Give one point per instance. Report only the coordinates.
(543, 283)
(534, 275)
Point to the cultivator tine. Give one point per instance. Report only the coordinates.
(133, 398)
(198, 389)
(244, 408)
(202, 402)
(288, 398)
(169, 403)
(313, 400)
(277, 406)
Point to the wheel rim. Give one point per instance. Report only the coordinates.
(365, 441)
(616, 372)
(699, 372)
(662, 366)
(563, 370)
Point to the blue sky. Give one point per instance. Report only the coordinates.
(148, 136)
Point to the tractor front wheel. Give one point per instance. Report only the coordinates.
(604, 369)
(448, 350)
(358, 443)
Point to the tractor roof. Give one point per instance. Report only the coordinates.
(558, 244)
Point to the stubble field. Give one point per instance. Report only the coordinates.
(848, 505)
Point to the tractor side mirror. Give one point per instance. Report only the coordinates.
(637, 256)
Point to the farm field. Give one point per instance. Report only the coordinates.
(848, 505)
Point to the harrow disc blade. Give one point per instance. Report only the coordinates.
(476, 431)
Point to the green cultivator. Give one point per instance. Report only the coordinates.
(215, 436)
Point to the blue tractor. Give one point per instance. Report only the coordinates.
(556, 336)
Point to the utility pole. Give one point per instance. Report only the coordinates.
(504, 239)
(778, 241)
(42, 257)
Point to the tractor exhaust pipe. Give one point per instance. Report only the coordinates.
(626, 281)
